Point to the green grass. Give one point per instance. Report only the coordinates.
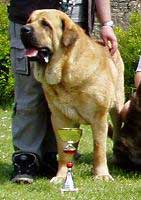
(127, 186)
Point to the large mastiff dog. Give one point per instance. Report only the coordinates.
(81, 81)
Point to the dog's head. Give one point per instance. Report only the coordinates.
(45, 32)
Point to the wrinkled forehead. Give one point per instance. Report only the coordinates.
(48, 15)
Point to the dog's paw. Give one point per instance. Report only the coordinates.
(57, 180)
(106, 177)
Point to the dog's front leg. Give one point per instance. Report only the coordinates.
(100, 128)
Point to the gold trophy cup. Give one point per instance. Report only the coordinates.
(70, 136)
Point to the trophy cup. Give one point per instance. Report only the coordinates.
(70, 136)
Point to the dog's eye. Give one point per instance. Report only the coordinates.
(45, 24)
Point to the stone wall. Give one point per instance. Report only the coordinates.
(121, 9)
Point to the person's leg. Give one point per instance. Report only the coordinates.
(137, 77)
(31, 117)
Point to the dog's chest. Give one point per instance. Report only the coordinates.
(69, 102)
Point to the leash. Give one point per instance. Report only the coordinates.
(67, 6)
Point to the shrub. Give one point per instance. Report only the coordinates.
(6, 79)
(130, 48)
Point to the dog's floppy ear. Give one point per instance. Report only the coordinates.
(70, 32)
(69, 37)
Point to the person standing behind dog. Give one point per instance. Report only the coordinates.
(32, 134)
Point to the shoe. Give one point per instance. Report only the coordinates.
(49, 165)
(26, 167)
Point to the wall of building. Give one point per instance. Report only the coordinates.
(121, 9)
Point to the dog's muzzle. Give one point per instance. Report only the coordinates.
(33, 51)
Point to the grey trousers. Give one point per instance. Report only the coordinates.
(31, 126)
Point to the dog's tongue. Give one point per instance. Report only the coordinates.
(31, 52)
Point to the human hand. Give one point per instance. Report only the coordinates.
(108, 35)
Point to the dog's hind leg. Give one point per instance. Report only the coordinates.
(115, 121)
(100, 128)
(119, 97)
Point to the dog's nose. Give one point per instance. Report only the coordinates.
(26, 30)
(26, 35)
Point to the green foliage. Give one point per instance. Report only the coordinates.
(130, 48)
(6, 79)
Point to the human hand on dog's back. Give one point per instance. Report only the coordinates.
(107, 34)
(104, 15)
